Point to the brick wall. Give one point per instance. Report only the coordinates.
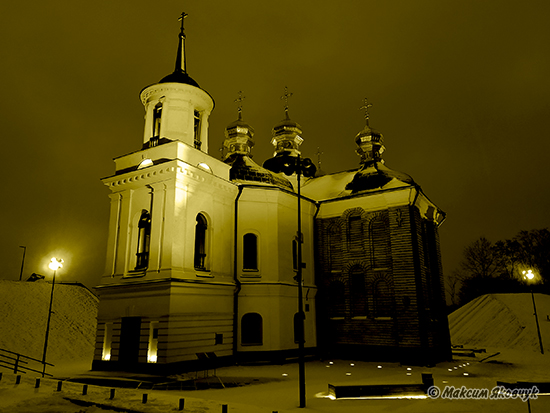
(380, 281)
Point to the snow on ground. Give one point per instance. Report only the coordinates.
(512, 355)
(502, 320)
(24, 309)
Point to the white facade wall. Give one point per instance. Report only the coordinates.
(272, 292)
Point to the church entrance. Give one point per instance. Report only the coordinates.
(129, 340)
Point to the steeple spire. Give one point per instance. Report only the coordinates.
(180, 58)
(180, 72)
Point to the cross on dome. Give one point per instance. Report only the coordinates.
(319, 153)
(366, 106)
(181, 19)
(239, 102)
(285, 98)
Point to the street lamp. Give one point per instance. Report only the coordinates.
(54, 265)
(529, 276)
(289, 165)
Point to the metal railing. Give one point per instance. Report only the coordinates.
(19, 363)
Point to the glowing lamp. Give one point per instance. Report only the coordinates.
(528, 274)
(152, 358)
(55, 264)
(145, 163)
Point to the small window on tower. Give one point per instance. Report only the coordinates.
(157, 115)
(197, 124)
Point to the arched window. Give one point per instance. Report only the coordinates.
(250, 252)
(200, 242)
(380, 241)
(334, 248)
(355, 231)
(252, 329)
(157, 115)
(197, 126)
(383, 299)
(358, 292)
(144, 236)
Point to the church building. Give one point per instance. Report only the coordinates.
(206, 257)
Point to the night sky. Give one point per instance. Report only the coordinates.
(460, 91)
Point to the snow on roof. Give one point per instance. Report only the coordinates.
(332, 186)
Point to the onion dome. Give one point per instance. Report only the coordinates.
(370, 144)
(373, 173)
(238, 145)
(287, 137)
(238, 136)
(287, 133)
(243, 169)
(180, 73)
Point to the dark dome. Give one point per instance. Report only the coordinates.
(375, 175)
(245, 169)
(179, 77)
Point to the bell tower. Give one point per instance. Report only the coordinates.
(176, 108)
(169, 256)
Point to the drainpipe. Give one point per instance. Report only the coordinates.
(236, 276)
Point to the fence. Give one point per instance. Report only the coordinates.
(20, 363)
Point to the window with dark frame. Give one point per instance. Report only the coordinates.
(250, 252)
(197, 128)
(252, 329)
(144, 237)
(157, 115)
(358, 292)
(200, 242)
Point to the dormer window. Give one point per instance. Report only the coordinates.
(197, 125)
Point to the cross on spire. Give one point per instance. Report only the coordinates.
(285, 98)
(181, 65)
(366, 106)
(181, 19)
(239, 102)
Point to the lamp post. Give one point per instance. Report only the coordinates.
(54, 265)
(529, 276)
(288, 164)
(22, 261)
